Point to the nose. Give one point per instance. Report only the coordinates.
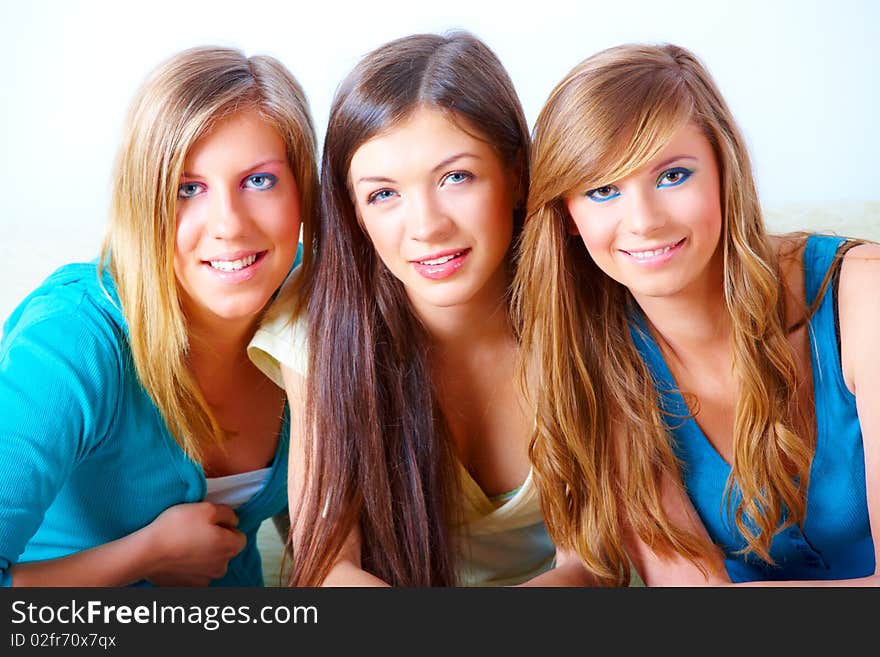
(429, 220)
(645, 213)
(228, 216)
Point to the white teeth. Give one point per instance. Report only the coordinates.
(234, 265)
(642, 255)
(440, 261)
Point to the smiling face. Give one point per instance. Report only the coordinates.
(657, 230)
(238, 219)
(437, 204)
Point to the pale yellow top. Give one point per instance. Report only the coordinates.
(503, 545)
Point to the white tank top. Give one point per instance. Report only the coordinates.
(235, 490)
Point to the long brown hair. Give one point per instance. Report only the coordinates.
(609, 116)
(178, 103)
(378, 450)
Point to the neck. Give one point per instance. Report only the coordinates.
(217, 346)
(693, 322)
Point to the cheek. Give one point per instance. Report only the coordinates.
(383, 232)
(596, 234)
(714, 212)
(188, 232)
(283, 220)
(703, 212)
(490, 216)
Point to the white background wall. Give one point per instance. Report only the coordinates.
(801, 77)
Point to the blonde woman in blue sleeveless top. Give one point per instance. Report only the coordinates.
(708, 395)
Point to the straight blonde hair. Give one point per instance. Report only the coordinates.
(177, 104)
(610, 116)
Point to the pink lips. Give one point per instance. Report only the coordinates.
(444, 269)
(656, 260)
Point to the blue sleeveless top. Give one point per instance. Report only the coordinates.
(836, 539)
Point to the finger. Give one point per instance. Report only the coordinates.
(228, 542)
(225, 516)
(237, 542)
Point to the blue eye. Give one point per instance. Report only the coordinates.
(189, 190)
(457, 177)
(673, 177)
(261, 181)
(379, 196)
(602, 194)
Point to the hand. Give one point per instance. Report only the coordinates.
(193, 543)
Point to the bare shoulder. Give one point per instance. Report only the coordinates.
(858, 305)
(862, 260)
(859, 289)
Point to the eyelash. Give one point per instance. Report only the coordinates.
(466, 176)
(684, 171)
(182, 197)
(374, 196)
(272, 179)
(590, 194)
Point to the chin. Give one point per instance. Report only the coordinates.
(657, 291)
(234, 311)
(445, 299)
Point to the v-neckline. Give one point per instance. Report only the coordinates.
(486, 506)
(666, 378)
(671, 390)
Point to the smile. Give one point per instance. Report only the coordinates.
(233, 268)
(441, 265)
(234, 265)
(441, 260)
(655, 256)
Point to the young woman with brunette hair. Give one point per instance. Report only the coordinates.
(138, 443)
(410, 465)
(708, 395)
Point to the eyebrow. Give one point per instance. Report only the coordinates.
(252, 167)
(670, 160)
(440, 165)
(453, 158)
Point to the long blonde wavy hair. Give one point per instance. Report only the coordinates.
(610, 116)
(176, 105)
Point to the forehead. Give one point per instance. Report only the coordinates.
(243, 135)
(687, 141)
(422, 139)
(690, 140)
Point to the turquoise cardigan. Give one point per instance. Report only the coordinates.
(85, 457)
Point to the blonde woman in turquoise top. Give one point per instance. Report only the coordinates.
(124, 383)
(708, 395)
